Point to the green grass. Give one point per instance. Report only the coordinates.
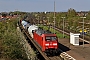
(59, 35)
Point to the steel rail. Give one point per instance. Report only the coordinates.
(69, 34)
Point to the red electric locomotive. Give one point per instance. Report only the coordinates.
(48, 42)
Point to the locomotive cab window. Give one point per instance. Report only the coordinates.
(51, 38)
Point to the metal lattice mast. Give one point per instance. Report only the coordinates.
(54, 16)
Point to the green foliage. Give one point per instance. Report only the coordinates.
(18, 13)
(88, 16)
(11, 42)
(71, 13)
(72, 21)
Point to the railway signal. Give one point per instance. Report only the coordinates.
(83, 32)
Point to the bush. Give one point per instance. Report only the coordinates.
(11, 42)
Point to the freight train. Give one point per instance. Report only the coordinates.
(47, 41)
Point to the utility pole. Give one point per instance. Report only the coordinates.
(48, 20)
(63, 25)
(54, 17)
(48, 23)
(38, 20)
(43, 21)
(83, 30)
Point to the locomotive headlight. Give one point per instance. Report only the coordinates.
(55, 44)
(46, 44)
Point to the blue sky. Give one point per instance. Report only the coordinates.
(43, 5)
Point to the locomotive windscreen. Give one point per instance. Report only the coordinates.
(51, 38)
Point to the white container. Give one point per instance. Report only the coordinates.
(27, 26)
(24, 23)
(74, 38)
(31, 29)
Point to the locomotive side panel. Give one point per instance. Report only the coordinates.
(38, 39)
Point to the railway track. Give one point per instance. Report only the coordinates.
(27, 34)
(88, 41)
(55, 58)
(62, 55)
